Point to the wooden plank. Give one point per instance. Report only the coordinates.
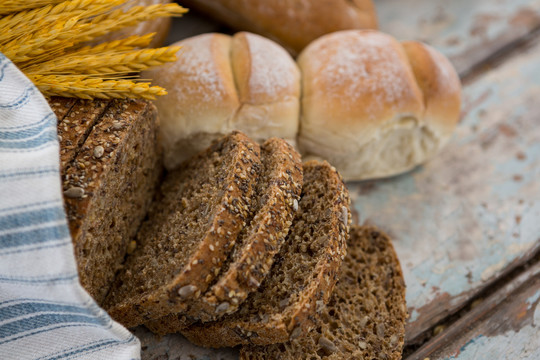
(464, 30)
(470, 214)
(175, 346)
(503, 326)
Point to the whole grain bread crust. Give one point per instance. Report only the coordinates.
(366, 316)
(99, 165)
(229, 218)
(231, 331)
(262, 239)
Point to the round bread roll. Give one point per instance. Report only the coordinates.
(160, 26)
(292, 23)
(374, 107)
(221, 83)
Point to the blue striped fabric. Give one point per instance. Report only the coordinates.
(44, 312)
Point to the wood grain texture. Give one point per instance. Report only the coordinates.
(175, 346)
(503, 326)
(464, 30)
(471, 214)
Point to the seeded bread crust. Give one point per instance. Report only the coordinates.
(365, 319)
(133, 304)
(278, 193)
(111, 165)
(303, 275)
(76, 118)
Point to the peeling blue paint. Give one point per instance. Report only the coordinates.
(463, 217)
(532, 300)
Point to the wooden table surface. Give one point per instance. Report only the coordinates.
(466, 225)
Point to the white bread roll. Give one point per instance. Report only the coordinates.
(292, 23)
(160, 26)
(374, 107)
(221, 83)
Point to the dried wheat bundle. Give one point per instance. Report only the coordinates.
(45, 39)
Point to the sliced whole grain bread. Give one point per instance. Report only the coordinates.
(303, 275)
(189, 233)
(275, 205)
(366, 315)
(110, 167)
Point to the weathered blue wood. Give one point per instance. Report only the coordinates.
(505, 325)
(467, 31)
(176, 347)
(474, 210)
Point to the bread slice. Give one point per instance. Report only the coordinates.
(303, 275)
(190, 231)
(365, 318)
(276, 202)
(110, 167)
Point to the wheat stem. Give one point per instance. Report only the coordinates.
(108, 63)
(43, 39)
(89, 88)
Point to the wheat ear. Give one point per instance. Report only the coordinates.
(89, 88)
(106, 64)
(10, 6)
(16, 24)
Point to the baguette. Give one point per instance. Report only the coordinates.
(293, 24)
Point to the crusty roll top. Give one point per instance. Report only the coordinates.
(374, 107)
(220, 84)
(439, 82)
(268, 85)
(356, 82)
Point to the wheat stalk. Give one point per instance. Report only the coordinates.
(103, 49)
(10, 6)
(43, 38)
(108, 63)
(118, 19)
(16, 24)
(90, 88)
(34, 44)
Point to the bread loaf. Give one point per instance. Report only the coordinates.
(375, 107)
(110, 167)
(366, 315)
(292, 23)
(303, 275)
(372, 106)
(274, 204)
(221, 83)
(190, 231)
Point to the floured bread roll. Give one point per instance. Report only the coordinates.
(221, 83)
(374, 107)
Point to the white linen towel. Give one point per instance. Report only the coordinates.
(44, 311)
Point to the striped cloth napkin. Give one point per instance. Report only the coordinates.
(44, 311)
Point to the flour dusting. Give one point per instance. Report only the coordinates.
(273, 71)
(357, 66)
